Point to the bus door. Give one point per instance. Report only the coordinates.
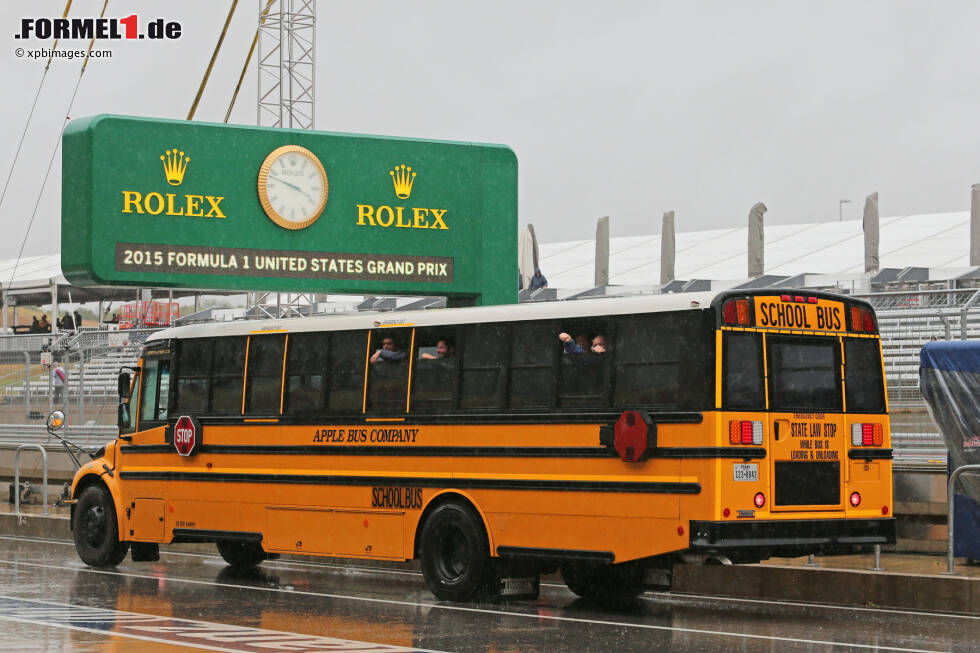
(806, 422)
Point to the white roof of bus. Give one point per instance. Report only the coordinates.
(435, 317)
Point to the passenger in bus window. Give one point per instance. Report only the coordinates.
(599, 344)
(443, 350)
(577, 346)
(389, 352)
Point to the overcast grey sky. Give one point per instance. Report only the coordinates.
(624, 109)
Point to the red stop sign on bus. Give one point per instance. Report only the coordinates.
(187, 435)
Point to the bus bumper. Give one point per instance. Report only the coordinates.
(791, 537)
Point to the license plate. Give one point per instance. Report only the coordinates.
(746, 471)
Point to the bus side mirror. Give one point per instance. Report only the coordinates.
(125, 382)
(56, 421)
(123, 418)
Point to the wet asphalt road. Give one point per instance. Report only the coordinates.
(50, 601)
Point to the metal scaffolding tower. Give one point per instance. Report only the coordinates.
(287, 55)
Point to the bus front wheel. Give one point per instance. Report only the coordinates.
(96, 530)
(455, 552)
(241, 555)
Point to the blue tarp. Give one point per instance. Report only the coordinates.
(951, 356)
(949, 378)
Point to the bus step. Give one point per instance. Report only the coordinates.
(528, 587)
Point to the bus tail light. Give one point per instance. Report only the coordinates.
(867, 435)
(863, 320)
(855, 499)
(744, 432)
(735, 312)
(759, 500)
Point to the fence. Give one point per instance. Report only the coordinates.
(91, 359)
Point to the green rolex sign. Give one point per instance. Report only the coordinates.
(196, 205)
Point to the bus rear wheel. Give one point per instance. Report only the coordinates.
(241, 555)
(455, 552)
(96, 530)
(603, 583)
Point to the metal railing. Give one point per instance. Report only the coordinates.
(12, 435)
(919, 299)
(44, 481)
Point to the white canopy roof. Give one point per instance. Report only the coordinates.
(835, 249)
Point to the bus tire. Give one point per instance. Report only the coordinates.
(96, 529)
(603, 583)
(455, 552)
(241, 555)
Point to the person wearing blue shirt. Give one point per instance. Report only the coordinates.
(389, 352)
(538, 280)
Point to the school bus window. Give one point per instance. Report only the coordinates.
(148, 400)
(264, 383)
(193, 368)
(804, 374)
(346, 364)
(435, 372)
(648, 357)
(862, 376)
(306, 373)
(388, 371)
(484, 347)
(744, 385)
(584, 372)
(532, 377)
(227, 371)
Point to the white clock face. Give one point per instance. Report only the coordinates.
(293, 189)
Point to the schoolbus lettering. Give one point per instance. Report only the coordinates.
(396, 497)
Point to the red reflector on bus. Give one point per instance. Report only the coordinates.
(869, 321)
(726, 512)
(855, 499)
(799, 298)
(786, 298)
(728, 312)
(680, 530)
(812, 300)
(746, 432)
(867, 435)
(884, 510)
(760, 499)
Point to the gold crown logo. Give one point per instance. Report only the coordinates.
(174, 166)
(403, 178)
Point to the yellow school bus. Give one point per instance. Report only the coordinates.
(607, 438)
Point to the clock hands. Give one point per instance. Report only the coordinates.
(294, 187)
